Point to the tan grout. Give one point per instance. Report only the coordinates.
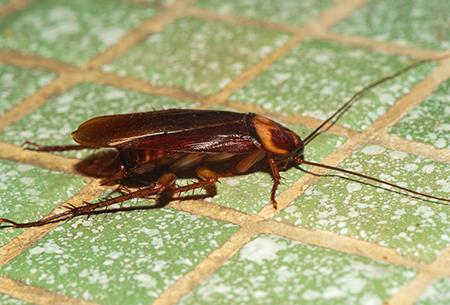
(207, 267)
(241, 20)
(44, 160)
(131, 83)
(152, 25)
(298, 119)
(215, 211)
(13, 6)
(32, 235)
(36, 62)
(249, 74)
(37, 99)
(416, 148)
(286, 197)
(337, 13)
(329, 240)
(36, 295)
(375, 45)
(412, 290)
(327, 19)
(415, 96)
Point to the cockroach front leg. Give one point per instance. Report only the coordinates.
(276, 179)
(165, 182)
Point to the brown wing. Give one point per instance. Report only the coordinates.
(175, 130)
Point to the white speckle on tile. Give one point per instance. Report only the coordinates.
(395, 154)
(428, 169)
(353, 187)
(50, 247)
(373, 150)
(145, 280)
(232, 181)
(260, 249)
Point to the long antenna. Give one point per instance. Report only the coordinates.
(374, 179)
(356, 96)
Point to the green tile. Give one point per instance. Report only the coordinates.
(126, 258)
(412, 227)
(197, 55)
(70, 31)
(437, 294)
(53, 123)
(250, 193)
(27, 193)
(420, 23)
(287, 11)
(17, 83)
(3, 2)
(317, 77)
(274, 270)
(7, 300)
(430, 121)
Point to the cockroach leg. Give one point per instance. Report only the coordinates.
(276, 179)
(37, 147)
(165, 182)
(246, 163)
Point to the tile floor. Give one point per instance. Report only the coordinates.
(332, 240)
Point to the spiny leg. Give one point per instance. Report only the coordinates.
(48, 148)
(276, 179)
(165, 182)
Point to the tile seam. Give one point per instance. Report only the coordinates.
(36, 295)
(135, 36)
(13, 6)
(30, 236)
(37, 99)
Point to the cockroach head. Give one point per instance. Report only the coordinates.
(277, 139)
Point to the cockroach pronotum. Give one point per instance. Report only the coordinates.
(172, 141)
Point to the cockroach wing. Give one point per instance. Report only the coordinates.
(175, 130)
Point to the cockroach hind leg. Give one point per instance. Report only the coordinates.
(6, 223)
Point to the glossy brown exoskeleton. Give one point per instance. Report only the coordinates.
(210, 143)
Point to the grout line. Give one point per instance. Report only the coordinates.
(214, 211)
(249, 74)
(13, 6)
(316, 32)
(206, 14)
(286, 197)
(36, 62)
(298, 119)
(337, 13)
(395, 113)
(36, 295)
(412, 290)
(416, 148)
(375, 45)
(135, 84)
(36, 100)
(325, 20)
(349, 245)
(412, 99)
(207, 267)
(32, 235)
(40, 159)
(152, 25)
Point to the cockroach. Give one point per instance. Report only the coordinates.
(176, 140)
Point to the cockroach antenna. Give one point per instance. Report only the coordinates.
(330, 121)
